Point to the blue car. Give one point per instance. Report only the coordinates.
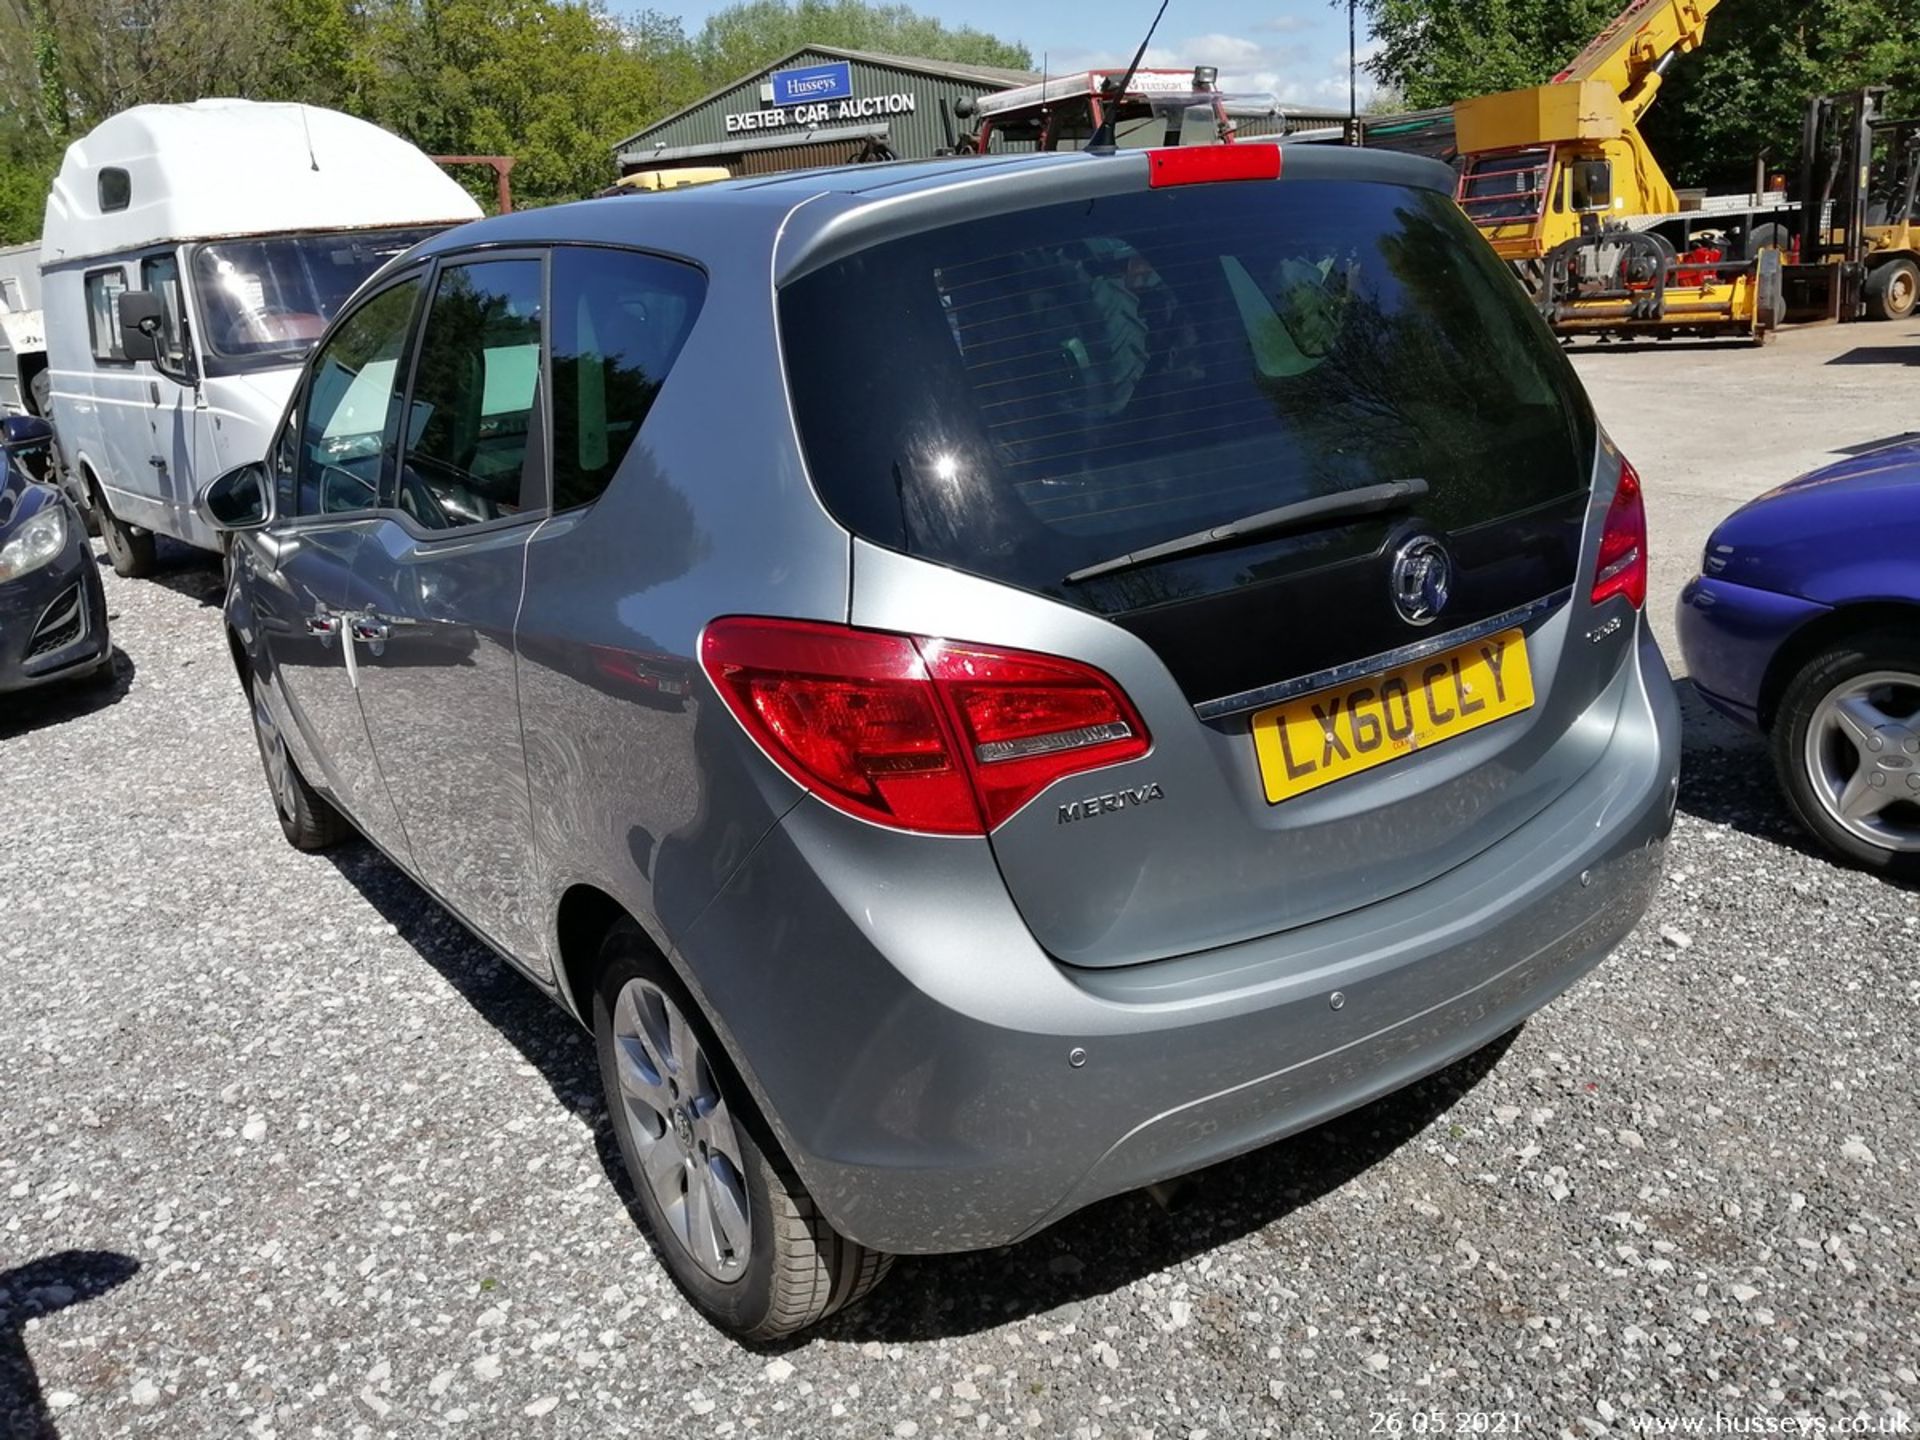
(1804, 623)
(53, 611)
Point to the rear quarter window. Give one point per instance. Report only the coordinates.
(1074, 382)
(619, 321)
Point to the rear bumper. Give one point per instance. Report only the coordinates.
(916, 1051)
(1729, 635)
(37, 645)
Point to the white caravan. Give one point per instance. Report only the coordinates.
(192, 255)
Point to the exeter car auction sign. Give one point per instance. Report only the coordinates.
(822, 112)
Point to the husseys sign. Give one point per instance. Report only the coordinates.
(814, 95)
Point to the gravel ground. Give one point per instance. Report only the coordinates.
(284, 1152)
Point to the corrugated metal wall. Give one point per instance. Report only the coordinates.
(914, 136)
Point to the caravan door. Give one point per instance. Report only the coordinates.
(180, 453)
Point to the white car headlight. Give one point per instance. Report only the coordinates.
(38, 541)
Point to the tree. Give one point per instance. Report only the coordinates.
(744, 37)
(554, 83)
(1741, 96)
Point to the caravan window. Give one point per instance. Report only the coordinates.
(272, 297)
(104, 289)
(161, 275)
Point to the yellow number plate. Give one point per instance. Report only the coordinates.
(1326, 736)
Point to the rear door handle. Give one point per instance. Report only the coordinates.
(370, 628)
(323, 624)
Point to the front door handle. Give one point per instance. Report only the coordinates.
(323, 624)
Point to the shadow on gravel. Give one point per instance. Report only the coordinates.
(1727, 778)
(187, 570)
(1115, 1242)
(1879, 355)
(65, 700)
(39, 1288)
(1647, 347)
(545, 1035)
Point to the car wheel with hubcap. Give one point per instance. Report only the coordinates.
(1847, 744)
(731, 1221)
(308, 821)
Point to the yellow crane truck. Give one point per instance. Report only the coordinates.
(1561, 182)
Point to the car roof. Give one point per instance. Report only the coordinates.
(687, 220)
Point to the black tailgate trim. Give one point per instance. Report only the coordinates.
(1264, 695)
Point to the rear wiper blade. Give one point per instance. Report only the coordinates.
(1300, 515)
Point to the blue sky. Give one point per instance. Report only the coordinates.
(1296, 49)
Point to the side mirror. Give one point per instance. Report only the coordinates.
(240, 499)
(142, 317)
(24, 431)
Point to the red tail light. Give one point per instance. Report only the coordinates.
(913, 733)
(1622, 569)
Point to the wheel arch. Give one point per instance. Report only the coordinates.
(1818, 633)
(581, 922)
(242, 662)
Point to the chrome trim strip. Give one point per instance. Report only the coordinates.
(1247, 700)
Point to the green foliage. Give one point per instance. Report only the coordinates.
(1740, 96)
(743, 37)
(1744, 93)
(1438, 51)
(554, 83)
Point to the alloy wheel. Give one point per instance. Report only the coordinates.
(683, 1133)
(1862, 758)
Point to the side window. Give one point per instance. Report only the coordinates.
(619, 320)
(476, 388)
(104, 289)
(161, 275)
(354, 389)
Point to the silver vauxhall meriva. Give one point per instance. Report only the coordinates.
(985, 683)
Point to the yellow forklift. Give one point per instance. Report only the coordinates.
(1562, 184)
(1855, 249)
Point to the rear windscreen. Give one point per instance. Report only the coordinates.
(1025, 395)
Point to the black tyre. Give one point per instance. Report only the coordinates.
(1891, 290)
(128, 547)
(306, 819)
(722, 1207)
(1846, 743)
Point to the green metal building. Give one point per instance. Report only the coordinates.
(819, 106)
